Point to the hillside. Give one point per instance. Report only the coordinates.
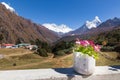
(87, 26)
(111, 37)
(109, 26)
(14, 27)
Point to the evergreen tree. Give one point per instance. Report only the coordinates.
(1, 38)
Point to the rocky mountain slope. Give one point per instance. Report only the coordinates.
(58, 29)
(87, 26)
(14, 27)
(107, 26)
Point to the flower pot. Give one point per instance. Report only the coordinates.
(83, 63)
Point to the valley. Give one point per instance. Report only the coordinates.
(55, 42)
(25, 59)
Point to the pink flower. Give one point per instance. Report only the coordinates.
(87, 43)
(97, 48)
(78, 42)
(87, 47)
(84, 43)
(91, 43)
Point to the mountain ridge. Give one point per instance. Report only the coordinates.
(14, 27)
(86, 26)
(58, 29)
(107, 26)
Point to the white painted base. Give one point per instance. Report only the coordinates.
(101, 73)
(83, 64)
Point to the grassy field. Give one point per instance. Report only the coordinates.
(102, 61)
(25, 59)
(18, 51)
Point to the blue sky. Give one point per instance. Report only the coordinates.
(72, 13)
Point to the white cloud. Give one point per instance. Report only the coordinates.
(8, 7)
(57, 28)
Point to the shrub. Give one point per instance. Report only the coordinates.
(42, 52)
(68, 51)
(117, 48)
(62, 46)
(60, 53)
(63, 52)
(14, 64)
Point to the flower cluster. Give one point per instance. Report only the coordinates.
(87, 47)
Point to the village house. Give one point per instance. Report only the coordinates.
(7, 45)
(32, 47)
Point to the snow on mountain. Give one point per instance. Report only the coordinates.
(94, 23)
(87, 26)
(8, 7)
(58, 28)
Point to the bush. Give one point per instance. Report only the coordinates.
(44, 48)
(60, 53)
(68, 51)
(14, 64)
(117, 48)
(62, 46)
(63, 52)
(42, 52)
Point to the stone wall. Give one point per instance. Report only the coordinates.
(101, 73)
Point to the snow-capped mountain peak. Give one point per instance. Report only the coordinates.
(97, 19)
(8, 7)
(94, 23)
(57, 28)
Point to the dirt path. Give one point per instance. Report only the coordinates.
(66, 56)
(62, 63)
(50, 59)
(108, 57)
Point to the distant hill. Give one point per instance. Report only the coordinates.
(109, 26)
(110, 37)
(14, 27)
